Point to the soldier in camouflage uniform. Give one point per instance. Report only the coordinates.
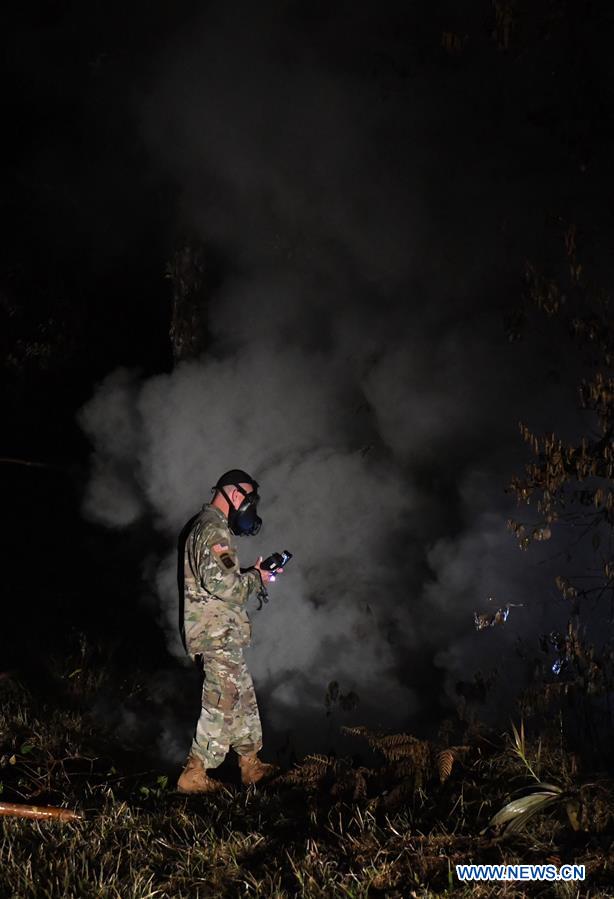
(217, 628)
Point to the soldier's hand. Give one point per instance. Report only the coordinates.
(267, 575)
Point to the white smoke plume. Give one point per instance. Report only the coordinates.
(357, 368)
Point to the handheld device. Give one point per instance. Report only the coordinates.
(276, 561)
(272, 563)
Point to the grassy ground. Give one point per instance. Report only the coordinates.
(326, 828)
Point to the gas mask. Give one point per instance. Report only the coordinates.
(244, 520)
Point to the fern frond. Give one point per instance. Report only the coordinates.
(392, 746)
(445, 761)
(313, 769)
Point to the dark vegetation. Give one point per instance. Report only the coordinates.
(327, 827)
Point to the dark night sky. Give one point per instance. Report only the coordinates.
(368, 200)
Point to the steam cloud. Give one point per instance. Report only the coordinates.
(358, 368)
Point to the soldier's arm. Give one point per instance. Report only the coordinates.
(218, 569)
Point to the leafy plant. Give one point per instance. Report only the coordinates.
(515, 814)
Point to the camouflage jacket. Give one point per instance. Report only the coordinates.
(215, 591)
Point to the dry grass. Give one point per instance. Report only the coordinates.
(326, 828)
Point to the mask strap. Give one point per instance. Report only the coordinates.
(248, 496)
(231, 508)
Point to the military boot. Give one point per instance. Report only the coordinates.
(194, 778)
(253, 770)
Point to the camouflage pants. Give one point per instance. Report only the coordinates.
(229, 716)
